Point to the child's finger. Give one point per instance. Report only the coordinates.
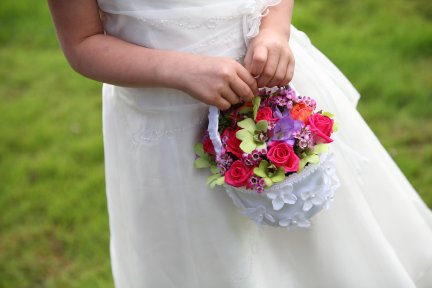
(269, 69)
(259, 60)
(281, 71)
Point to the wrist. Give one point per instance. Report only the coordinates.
(278, 18)
(172, 70)
(280, 32)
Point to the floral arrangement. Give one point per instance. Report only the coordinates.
(262, 143)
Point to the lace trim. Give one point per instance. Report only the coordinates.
(255, 12)
(143, 135)
(190, 23)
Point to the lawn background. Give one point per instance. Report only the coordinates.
(53, 223)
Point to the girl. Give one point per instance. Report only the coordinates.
(163, 63)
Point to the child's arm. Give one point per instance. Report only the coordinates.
(212, 80)
(269, 55)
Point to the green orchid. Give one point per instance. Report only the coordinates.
(312, 156)
(328, 114)
(270, 173)
(204, 161)
(252, 136)
(256, 101)
(245, 110)
(215, 179)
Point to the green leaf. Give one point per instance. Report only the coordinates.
(247, 124)
(245, 110)
(202, 162)
(328, 114)
(268, 182)
(261, 146)
(302, 164)
(261, 170)
(199, 149)
(247, 146)
(264, 164)
(244, 135)
(214, 169)
(262, 126)
(258, 172)
(256, 103)
(218, 181)
(313, 158)
(279, 175)
(335, 126)
(320, 148)
(213, 178)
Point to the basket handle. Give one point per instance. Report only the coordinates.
(213, 117)
(212, 129)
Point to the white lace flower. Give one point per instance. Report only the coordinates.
(314, 197)
(280, 198)
(331, 180)
(258, 214)
(298, 220)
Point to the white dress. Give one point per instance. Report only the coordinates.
(168, 229)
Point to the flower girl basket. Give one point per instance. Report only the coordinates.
(290, 203)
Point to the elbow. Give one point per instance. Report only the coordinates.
(79, 59)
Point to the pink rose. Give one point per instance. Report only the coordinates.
(265, 113)
(238, 174)
(283, 155)
(322, 127)
(233, 144)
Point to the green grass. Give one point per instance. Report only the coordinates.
(53, 224)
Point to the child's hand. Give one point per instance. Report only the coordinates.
(217, 81)
(270, 59)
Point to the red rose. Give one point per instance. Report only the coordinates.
(233, 144)
(238, 174)
(283, 155)
(301, 112)
(208, 146)
(322, 127)
(265, 113)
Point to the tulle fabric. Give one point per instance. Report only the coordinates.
(168, 229)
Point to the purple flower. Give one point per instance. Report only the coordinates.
(304, 138)
(256, 183)
(291, 94)
(224, 162)
(254, 158)
(308, 101)
(284, 97)
(285, 130)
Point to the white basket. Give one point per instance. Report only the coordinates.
(289, 203)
